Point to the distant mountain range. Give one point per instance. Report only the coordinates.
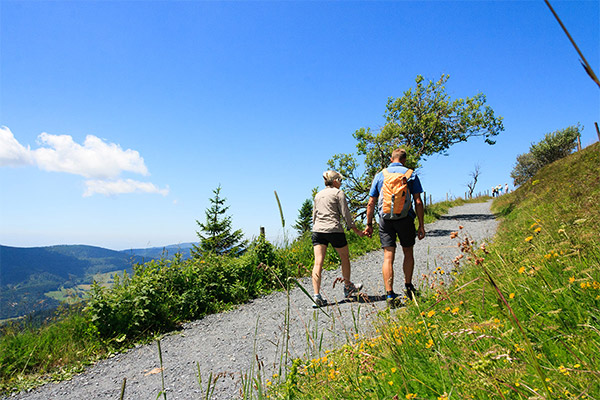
(28, 273)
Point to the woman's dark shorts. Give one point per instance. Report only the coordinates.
(337, 239)
(403, 228)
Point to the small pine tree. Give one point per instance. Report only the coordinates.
(216, 236)
(304, 221)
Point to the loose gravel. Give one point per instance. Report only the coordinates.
(251, 337)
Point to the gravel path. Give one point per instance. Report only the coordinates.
(229, 344)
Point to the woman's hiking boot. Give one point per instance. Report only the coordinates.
(319, 301)
(352, 290)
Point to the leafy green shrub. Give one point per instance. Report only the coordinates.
(552, 147)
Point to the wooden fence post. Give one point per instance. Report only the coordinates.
(597, 130)
(262, 231)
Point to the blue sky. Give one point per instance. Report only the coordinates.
(119, 118)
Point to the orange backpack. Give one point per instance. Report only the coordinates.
(395, 193)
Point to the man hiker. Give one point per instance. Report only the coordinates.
(393, 224)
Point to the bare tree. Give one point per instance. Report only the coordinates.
(474, 175)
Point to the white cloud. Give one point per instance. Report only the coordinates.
(12, 153)
(95, 159)
(103, 162)
(109, 188)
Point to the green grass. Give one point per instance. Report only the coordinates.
(521, 321)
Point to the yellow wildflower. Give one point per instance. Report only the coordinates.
(391, 383)
(563, 370)
(394, 370)
(429, 344)
(529, 238)
(537, 230)
(430, 314)
(521, 270)
(455, 310)
(511, 296)
(572, 279)
(411, 396)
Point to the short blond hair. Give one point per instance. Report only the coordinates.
(330, 176)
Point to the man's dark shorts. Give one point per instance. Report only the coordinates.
(403, 228)
(337, 240)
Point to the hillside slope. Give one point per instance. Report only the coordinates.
(27, 273)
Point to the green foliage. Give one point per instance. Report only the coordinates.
(556, 145)
(526, 167)
(552, 147)
(424, 121)
(57, 350)
(217, 236)
(521, 320)
(304, 221)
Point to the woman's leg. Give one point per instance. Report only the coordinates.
(344, 254)
(320, 251)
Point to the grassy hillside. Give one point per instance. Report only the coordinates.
(522, 320)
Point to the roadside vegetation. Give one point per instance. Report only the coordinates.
(521, 320)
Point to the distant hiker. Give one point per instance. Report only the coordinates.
(329, 208)
(506, 188)
(391, 226)
(494, 191)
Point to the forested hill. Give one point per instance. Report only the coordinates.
(27, 274)
(60, 263)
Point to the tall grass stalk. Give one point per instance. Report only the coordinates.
(162, 392)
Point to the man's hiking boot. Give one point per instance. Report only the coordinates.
(353, 290)
(319, 301)
(393, 300)
(410, 291)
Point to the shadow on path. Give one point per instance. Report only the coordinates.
(469, 217)
(439, 232)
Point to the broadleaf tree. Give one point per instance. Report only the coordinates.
(554, 146)
(424, 121)
(216, 234)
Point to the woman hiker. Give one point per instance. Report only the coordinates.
(331, 204)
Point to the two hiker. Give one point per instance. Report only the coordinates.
(395, 221)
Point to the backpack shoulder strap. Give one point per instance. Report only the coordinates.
(385, 172)
(408, 173)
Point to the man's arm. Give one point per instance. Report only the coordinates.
(370, 214)
(420, 210)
